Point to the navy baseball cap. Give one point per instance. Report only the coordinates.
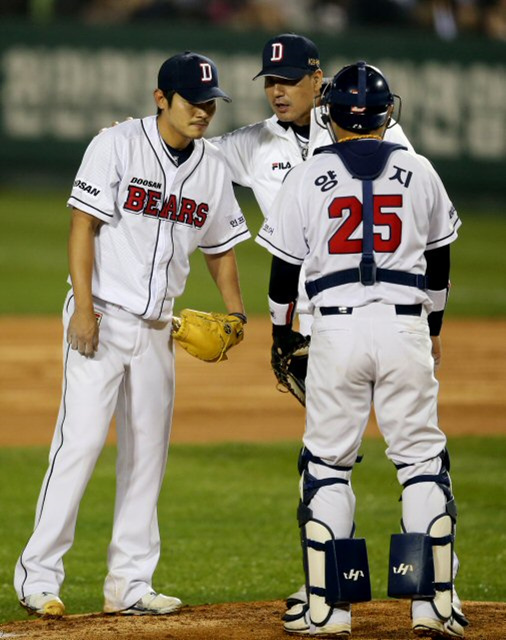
(289, 56)
(193, 76)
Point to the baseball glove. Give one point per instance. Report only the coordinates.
(207, 336)
(289, 356)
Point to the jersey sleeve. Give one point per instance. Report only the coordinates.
(237, 148)
(396, 134)
(228, 227)
(282, 233)
(443, 219)
(95, 186)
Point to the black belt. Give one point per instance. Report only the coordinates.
(400, 310)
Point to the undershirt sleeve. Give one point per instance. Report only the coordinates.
(438, 276)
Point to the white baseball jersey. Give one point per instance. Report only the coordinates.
(156, 214)
(369, 344)
(260, 155)
(317, 220)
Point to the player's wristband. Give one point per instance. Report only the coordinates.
(281, 314)
(439, 298)
(435, 318)
(242, 317)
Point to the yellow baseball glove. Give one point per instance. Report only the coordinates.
(208, 336)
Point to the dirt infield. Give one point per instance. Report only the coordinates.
(378, 620)
(237, 400)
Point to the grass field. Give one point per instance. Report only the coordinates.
(33, 260)
(227, 512)
(227, 518)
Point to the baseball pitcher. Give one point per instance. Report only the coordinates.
(148, 193)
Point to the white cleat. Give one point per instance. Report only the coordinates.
(151, 604)
(437, 629)
(298, 597)
(296, 621)
(45, 604)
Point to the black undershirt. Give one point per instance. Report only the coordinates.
(300, 130)
(180, 155)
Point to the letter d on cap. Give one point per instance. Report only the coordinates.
(277, 52)
(207, 74)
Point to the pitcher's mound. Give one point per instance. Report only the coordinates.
(377, 620)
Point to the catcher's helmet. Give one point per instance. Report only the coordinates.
(358, 98)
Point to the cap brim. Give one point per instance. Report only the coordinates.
(288, 73)
(196, 96)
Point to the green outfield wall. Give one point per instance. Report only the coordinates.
(60, 84)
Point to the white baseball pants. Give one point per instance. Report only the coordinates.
(132, 375)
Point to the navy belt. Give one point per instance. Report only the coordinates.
(400, 310)
(367, 276)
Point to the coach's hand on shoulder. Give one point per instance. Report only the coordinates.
(113, 124)
(82, 333)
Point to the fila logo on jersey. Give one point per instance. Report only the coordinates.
(148, 201)
(85, 186)
(281, 165)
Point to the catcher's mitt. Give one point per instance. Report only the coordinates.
(289, 356)
(207, 336)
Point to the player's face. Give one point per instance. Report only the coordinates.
(182, 121)
(292, 100)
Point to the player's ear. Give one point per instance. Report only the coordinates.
(317, 81)
(389, 115)
(160, 99)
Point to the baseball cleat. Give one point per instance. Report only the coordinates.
(296, 621)
(151, 604)
(298, 597)
(437, 629)
(47, 605)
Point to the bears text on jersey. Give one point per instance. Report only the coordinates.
(149, 203)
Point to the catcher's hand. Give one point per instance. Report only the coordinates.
(208, 336)
(289, 356)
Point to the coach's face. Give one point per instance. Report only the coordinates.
(292, 100)
(181, 121)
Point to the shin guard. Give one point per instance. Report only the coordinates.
(421, 565)
(337, 571)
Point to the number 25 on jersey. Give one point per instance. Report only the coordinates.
(341, 242)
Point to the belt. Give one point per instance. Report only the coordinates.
(400, 310)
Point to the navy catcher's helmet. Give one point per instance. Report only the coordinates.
(358, 98)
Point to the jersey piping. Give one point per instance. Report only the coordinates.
(109, 215)
(172, 231)
(300, 260)
(221, 244)
(159, 222)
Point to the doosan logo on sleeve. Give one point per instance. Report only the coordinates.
(87, 187)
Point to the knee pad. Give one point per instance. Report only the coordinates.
(309, 485)
(421, 564)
